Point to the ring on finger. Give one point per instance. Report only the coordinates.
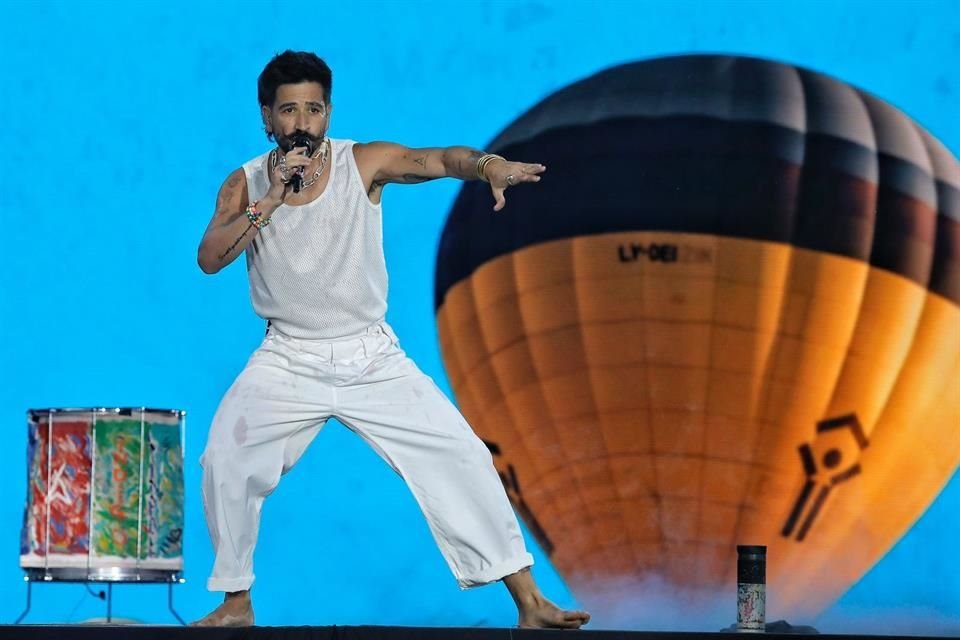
(511, 180)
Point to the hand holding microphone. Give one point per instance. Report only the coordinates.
(300, 140)
(286, 169)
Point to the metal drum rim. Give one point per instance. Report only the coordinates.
(114, 410)
(103, 574)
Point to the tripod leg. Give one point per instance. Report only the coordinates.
(27, 610)
(170, 603)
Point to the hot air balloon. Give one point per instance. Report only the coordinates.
(729, 314)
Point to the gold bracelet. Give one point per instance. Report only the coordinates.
(482, 163)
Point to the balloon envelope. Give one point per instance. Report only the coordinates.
(728, 314)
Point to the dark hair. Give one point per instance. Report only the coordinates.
(292, 67)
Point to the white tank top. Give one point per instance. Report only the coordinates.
(317, 271)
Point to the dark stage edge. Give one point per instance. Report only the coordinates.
(132, 632)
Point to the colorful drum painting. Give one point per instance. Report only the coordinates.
(107, 484)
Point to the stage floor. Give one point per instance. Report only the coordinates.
(133, 632)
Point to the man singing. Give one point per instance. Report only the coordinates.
(308, 215)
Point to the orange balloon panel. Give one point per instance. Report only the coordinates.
(648, 414)
(915, 441)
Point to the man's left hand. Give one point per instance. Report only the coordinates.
(503, 174)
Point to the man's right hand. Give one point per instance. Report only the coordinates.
(281, 187)
(229, 232)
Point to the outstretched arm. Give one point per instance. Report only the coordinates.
(383, 163)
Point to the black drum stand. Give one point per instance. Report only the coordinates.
(109, 577)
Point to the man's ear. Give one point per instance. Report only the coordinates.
(267, 119)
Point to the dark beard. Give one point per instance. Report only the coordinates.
(286, 143)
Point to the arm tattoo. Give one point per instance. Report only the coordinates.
(228, 188)
(422, 161)
(226, 193)
(235, 243)
(471, 168)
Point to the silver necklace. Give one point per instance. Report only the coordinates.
(322, 153)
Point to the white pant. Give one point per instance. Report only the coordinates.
(281, 400)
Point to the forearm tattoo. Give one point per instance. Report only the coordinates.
(467, 165)
(235, 243)
(472, 161)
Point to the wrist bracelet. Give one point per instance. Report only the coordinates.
(255, 216)
(482, 163)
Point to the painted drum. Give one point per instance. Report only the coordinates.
(104, 494)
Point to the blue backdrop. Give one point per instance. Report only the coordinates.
(120, 121)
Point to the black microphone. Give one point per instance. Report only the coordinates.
(300, 140)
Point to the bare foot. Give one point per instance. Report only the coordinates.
(540, 613)
(535, 611)
(236, 611)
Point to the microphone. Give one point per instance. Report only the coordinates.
(300, 140)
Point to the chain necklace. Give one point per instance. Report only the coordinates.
(322, 153)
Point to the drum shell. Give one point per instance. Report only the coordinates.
(112, 499)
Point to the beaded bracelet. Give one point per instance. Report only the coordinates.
(255, 216)
(482, 163)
